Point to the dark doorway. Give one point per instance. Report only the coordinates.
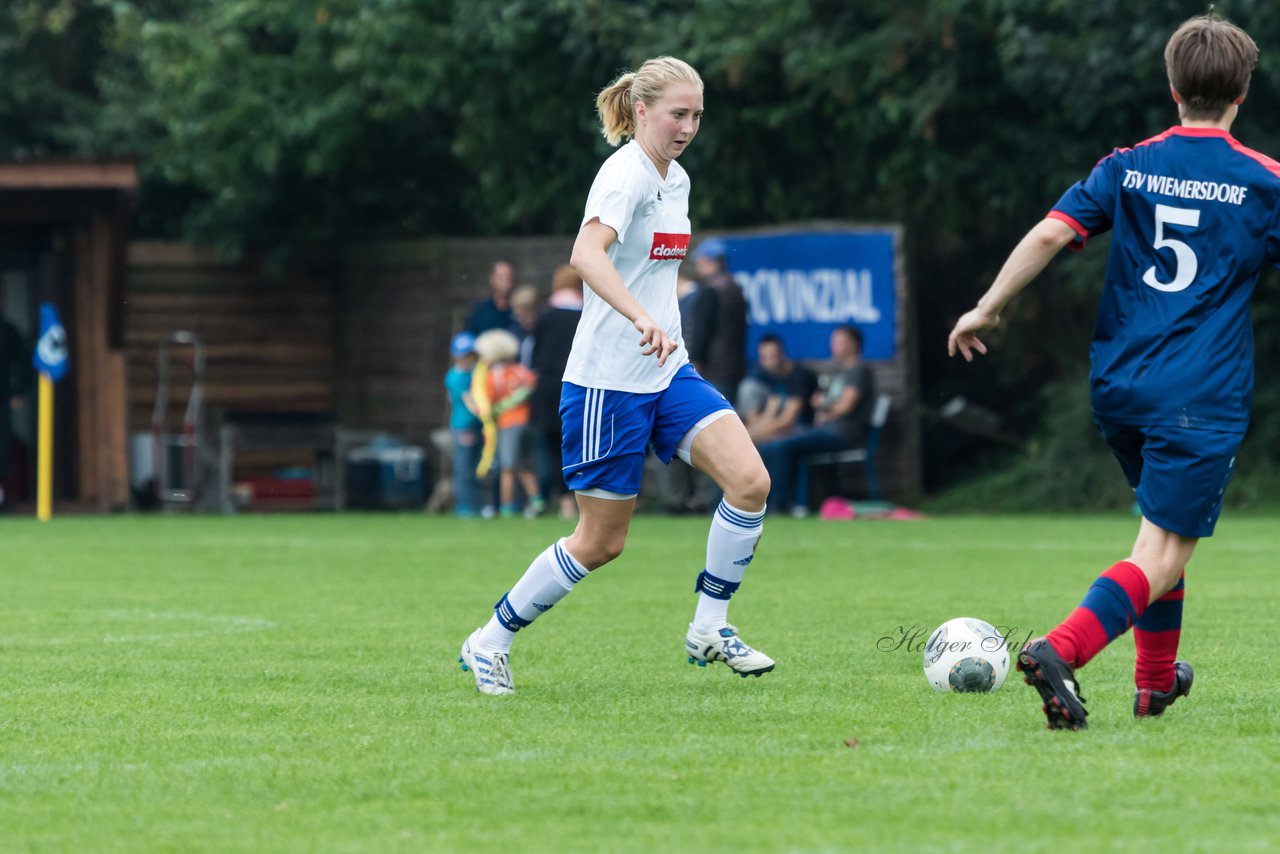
(32, 270)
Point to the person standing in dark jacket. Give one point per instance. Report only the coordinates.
(552, 339)
(494, 311)
(717, 334)
(684, 488)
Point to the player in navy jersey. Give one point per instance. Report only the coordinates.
(1194, 219)
(618, 398)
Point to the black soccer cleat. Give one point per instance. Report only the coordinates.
(1151, 704)
(1044, 670)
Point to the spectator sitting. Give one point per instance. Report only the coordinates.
(841, 420)
(777, 397)
(464, 425)
(494, 311)
(508, 385)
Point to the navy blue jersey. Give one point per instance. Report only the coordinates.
(1195, 218)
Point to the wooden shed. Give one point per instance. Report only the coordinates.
(64, 230)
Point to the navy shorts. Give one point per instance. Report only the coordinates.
(1179, 474)
(605, 433)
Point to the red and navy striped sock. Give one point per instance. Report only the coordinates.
(1115, 601)
(1156, 635)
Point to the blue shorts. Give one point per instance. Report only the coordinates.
(605, 433)
(1179, 474)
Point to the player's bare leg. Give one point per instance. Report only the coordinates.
(724, 451)
(1162, 556)
(602, 529)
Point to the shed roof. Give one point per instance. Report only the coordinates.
(69, 175)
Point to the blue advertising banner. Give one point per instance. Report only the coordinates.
(801, 286)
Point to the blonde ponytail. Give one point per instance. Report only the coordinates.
(616, 104)
(616, 110)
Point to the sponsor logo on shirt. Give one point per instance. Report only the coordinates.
(1184, 188)
(669, 247)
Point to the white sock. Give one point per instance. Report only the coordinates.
(731, 545)
(547, 580)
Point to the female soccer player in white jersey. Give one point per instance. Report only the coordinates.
(629, 383)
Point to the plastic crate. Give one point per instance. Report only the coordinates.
(386, 478)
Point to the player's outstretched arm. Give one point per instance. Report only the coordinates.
(591, 261)
(1024, 263)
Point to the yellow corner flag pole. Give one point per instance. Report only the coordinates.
(50, 361)
(44, 463)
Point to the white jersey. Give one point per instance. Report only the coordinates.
(651, 217)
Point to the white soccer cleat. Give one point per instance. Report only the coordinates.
(491, 669)
(725, 645)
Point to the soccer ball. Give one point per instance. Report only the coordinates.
(966, 655)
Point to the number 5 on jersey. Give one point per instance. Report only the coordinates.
(1185, 271)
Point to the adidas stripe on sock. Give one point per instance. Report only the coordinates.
(548, 579)
(731, 546)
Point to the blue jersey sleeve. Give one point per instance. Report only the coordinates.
(1271, 242)
(1089, 205)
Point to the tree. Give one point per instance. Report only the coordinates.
(274, 123)
(49, 53)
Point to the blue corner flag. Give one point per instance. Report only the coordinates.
(51, 356)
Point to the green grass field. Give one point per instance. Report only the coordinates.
(290, 683)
